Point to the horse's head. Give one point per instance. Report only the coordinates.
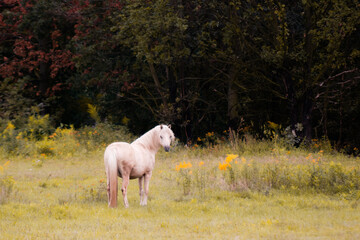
(166, 136)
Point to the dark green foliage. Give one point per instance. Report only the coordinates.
(199, 65)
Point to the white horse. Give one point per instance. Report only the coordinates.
(135, 160)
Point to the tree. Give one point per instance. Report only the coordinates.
(309, 48)
(33, 48)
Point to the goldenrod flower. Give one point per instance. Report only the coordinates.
(224, 165)
(273, 125)
(183, 165)
(125, 120)
(209, 134)
(230, 157)
(10, 126)
(6, 164)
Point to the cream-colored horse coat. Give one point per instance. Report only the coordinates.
(135, 160)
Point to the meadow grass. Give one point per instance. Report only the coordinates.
(65, 198)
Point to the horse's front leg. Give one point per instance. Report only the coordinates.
(147, 178)
(125, 183)
(141, 190)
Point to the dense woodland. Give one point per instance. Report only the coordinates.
(203, 66)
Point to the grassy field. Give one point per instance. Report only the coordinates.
(192, 196)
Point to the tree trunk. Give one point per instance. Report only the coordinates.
(306, 115)
(157, 82)
(233, 103)
(291, 101)
(307, 105)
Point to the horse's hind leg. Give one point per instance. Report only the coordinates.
(125, 184)
(108, 187)
(141, 190)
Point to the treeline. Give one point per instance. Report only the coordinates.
(202, 66)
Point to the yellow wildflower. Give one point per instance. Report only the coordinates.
(10, 126)
(183, 165)
(224, 165)
(125, 120)
(230, 157)
(209, 134)
(6, 164)
(201, 163)
(273, 125)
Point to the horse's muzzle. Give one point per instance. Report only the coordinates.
(167, 148)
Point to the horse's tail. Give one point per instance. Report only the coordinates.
(112, 177)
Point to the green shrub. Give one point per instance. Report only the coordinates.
(35, 136)
(6, 183)
(101, 135)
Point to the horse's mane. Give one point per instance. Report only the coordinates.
(147, 139)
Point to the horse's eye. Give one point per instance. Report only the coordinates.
(161, 137)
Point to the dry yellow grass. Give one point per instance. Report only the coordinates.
(66, 199)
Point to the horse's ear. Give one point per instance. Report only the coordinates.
(169, 126)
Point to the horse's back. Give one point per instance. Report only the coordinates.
(122, 151)
(134, 158)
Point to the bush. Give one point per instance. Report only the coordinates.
(35, 136)
(6, 184)
(101, 135)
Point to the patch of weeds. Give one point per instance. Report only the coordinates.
(37, 163)
(93, 192)
(184, 178)
(6, 183)
(6, 187)
(60, 212)
(43, 185)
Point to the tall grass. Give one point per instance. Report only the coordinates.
(217, 189)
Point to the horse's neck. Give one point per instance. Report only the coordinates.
(147, 141)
